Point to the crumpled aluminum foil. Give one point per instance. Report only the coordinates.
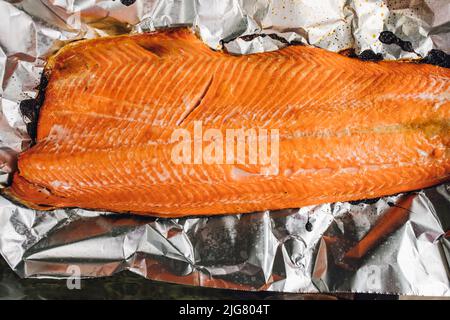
(396, 245)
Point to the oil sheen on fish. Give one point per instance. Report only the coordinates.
(139, 124)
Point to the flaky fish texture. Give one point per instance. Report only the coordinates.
(333, 128)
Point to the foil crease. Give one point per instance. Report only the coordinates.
(330, 248)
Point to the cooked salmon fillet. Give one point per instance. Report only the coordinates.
(341, 129)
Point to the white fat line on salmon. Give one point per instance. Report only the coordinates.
(239, 146)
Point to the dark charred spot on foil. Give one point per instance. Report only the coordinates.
(278, 38)
(388, 37)
(369, 55)
(273, 36)
(250, 37)
(366, 55)
(406, 46)
(29, 109)
(127, 2)
(308, 226)
(43, 205)
(437, 58)
(365, 201)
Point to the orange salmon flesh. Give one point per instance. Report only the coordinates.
(342, 129)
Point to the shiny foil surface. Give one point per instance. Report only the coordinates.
(393, 245)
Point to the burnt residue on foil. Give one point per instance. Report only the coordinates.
(369, 55)
(365, 201)
(29, 108)
(366, 55)
(259, 42)
(309, 226)
(434, 56)
(388, 37)
(127, 2)
(437, 58)
(274, 36)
